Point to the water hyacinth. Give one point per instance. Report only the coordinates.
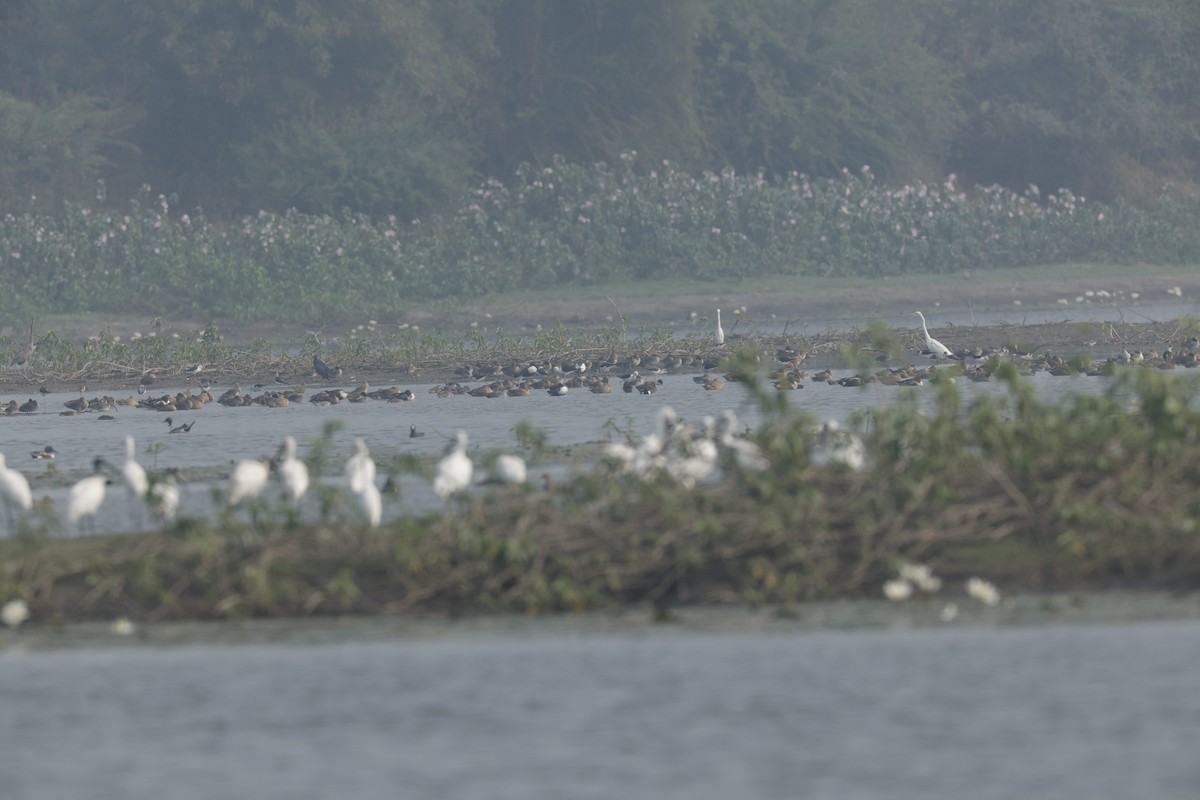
(565, 223)
(14, 613)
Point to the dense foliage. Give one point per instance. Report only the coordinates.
(560, 224)
(393, 107)
(1081, 492)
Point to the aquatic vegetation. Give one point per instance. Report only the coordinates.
(1089, 491)
(562, 224)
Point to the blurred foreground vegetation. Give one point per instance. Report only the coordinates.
(1087, 492)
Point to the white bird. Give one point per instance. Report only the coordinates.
(132, 472)
(508, 468)
(247, 480)
(720, 332)
(14, 489)
(370, 501)
(455, 469)
(164, 497)
(746, 454)
(360, 468)
(87, 495)
(292, 470)
(938, 349)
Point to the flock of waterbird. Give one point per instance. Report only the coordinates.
(690, 454)
(247, 480)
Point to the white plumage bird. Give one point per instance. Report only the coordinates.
(164, 497)
(360, 468)
(938, 349)
(247, 480)
(87, 495)
(719, 335)
(132, 472)
(508, 468)
(292, 470)
(454, 470)
(14, 488)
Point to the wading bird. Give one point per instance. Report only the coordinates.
(455, 469)
(935, 347)
(132, 472)
(86, 497)
(14, 490)
(291, 469)
(247, 480)
(720, 332)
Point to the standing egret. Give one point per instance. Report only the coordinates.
(370, 501)
(86, 496)
(164, 496)
(455, 469)
(360, 479)
(132, 472)
(720, 332)
(14, 490)
(938, 349)
(508, 468)
(247, 480)
(360, 468)
(292, 470)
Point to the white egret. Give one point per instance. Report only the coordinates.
(370, 501)
(508, 468)
(746, 454)
(292, 470)
(132, 472)
(247, 480)
(938, 349)
(87, 495)
(719, 336)
(360, 469)
(455, 469)
(164, 497)
(14, 489)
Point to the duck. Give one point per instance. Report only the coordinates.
(28, 407)
(413, 433)
(183, 428)
(47, 453)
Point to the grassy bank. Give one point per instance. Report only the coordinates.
(1092, 492)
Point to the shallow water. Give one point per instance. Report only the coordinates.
(1098, 711)
(224, 435)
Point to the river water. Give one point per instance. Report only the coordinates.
(1096, 711)
(224, 435)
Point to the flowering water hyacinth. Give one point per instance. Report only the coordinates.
(921, 575)
(14, 613)
(897, 590)
(983, 591)
(562, 224)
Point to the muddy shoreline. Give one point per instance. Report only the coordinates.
(638, 312)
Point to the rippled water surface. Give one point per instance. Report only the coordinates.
(1097, 711)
